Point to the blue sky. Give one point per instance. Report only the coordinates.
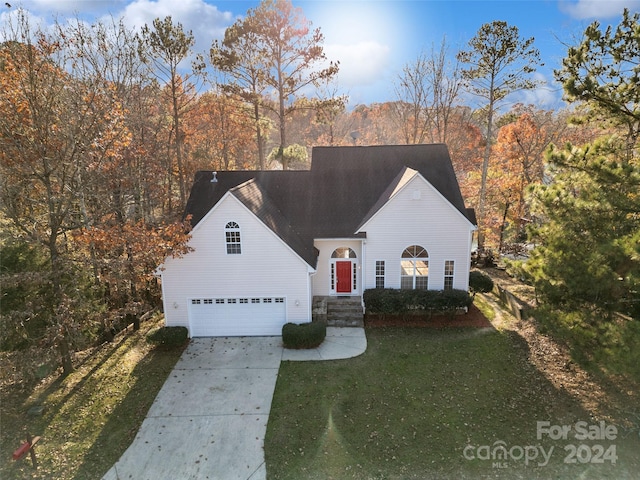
(373, 39)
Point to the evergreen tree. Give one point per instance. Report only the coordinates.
(589, 237)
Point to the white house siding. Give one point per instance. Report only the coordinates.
(321, 280)
(425, 219)
(266, 266)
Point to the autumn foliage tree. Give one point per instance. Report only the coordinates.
(69, 165)
(220, 134)
(55, 127)
(129, 253)
(286, 57)
(517, 162)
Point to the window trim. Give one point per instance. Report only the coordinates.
(380, 266)
(412, 255)
(233, 238)
(449, 276)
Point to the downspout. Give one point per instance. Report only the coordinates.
(310, 293)
(363, 270)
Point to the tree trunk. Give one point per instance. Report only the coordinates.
(282, 118)
(65, 354)
(485, 170)
(502, 226)
(176, 127)
(133, 292)
(256, 117)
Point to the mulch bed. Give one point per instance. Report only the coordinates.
(473, 318)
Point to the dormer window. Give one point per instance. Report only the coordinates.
(232, 234)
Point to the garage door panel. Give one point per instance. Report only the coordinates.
(237, 316)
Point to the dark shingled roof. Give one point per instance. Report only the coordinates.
(257, 200)
(345, 186)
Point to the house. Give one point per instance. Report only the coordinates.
(266, 243)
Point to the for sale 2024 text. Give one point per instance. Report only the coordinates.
(581, 431)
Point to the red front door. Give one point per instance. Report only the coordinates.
(343, 277)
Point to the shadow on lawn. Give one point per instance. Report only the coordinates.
(101, 399)
(18, 419)
(120, 429)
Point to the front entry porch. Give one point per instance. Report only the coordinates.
(340, 311)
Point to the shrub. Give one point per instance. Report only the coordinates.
(390, 301)
(304, 335)
(480, 282)
(384, 300)
(168, 337)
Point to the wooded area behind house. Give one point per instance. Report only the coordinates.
(102, 130)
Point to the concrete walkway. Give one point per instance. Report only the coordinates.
(210, 417)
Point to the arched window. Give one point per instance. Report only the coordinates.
(414, 268)
(343, 252)
(232, 235)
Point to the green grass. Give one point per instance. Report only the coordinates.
(90, 417)
(486, 309)
(408, 407)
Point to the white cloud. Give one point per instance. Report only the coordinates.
(593, 9)
(362, 63)
(204, 20)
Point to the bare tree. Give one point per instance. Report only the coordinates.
(427, 91)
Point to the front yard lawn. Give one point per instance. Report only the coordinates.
(88, 418)
(427, 403)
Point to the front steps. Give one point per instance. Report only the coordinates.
(338, 311)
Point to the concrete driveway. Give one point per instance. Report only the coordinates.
(210, 417)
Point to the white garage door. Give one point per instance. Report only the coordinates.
(236, 317)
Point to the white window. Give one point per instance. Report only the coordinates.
(448, 274)
(333, 276)
(232, 236)
(414, 268)
(355, 276)
(380, 267)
